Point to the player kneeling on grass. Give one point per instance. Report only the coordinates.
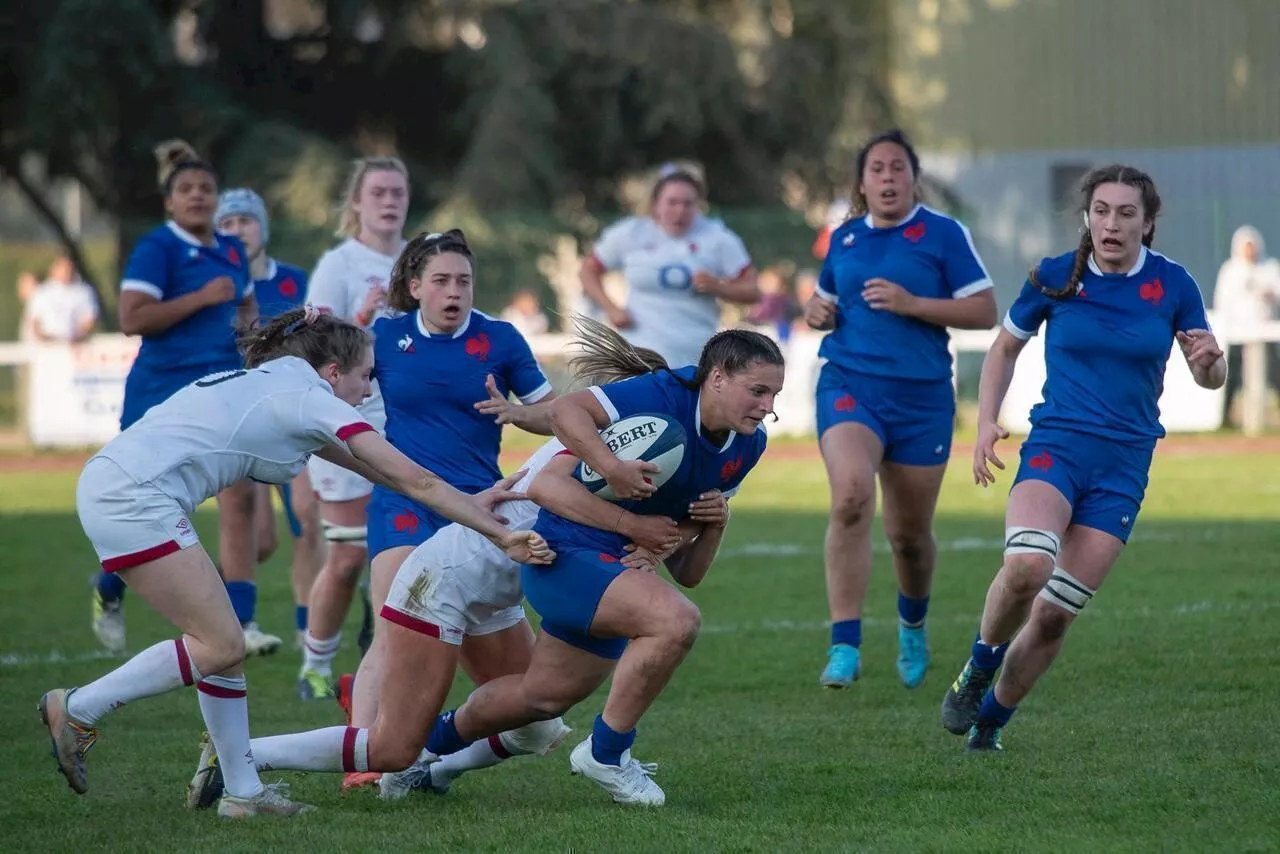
(1112, 310)
(134, 498)
(455, 595)
(601, 614)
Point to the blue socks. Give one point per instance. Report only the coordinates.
(847, 632)
(444, 738)
(607, 744)
(300, 617)
(912, 611)
(244, 599)
(987, 657)
(110, 586)
(992, 712)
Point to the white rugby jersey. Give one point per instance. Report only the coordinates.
(670, 316)
(261, 424)
(521, 514)
(342, 278)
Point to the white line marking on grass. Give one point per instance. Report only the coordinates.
(15, 660)
(960, 544)
(20, 659)
(1092, 612)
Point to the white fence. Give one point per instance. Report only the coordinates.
(73, 394)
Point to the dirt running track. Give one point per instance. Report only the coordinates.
(789, 451)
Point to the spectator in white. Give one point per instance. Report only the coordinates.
(1247, 292)
(677, 264)
(524, 312)
(63, 309)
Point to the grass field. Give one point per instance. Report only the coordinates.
(1156, 731)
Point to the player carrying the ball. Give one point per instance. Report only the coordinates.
(602, 614)
(1111, 309)
(307, 371)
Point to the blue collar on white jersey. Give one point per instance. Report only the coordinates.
(906, 219)
(422, 327)
(697, 423)
(1133, 271)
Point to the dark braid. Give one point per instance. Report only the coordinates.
(413, 260)
(1114, 174)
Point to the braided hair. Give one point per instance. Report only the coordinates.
(1113, 174)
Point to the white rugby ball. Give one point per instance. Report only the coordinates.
(656, 438)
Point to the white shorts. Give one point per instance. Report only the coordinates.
(129, 523)
(334, 483)
(456, 584)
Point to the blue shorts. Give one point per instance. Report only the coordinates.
(566, 594)
(146, 387)
(398, 521)
(913, 419)
(1103, 479)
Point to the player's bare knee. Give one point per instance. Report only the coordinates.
(682, 624)
(542, 706)
(218, 652)
(911, 547)
(852, 506)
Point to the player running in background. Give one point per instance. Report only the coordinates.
(442, 368)
(677, 264)
(456, 597)
(350, 281)
(278, 288)
(1112, 308)
(895, 277)
(601, 616)
(185, 287)
(136, 496)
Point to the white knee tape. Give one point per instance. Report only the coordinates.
(1066, 592)
(540, 738)
(353, 534)
(1031, 541)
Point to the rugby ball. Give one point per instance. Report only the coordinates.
(658, 439)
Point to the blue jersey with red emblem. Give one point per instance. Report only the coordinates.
(431, 383)
(284, 289)
(930, 255)
(168, 263)
(705, 466)
(1106, 347)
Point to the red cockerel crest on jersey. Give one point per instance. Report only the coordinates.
(914, 233)
(478, 347)
(289, 288)
(1152, 291)
(729, 469)
(233, 255)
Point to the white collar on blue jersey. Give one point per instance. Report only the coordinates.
(906, 219)
(187, 237)
(1133, 271)
(271, 270)
(426, 333)
(697, 423)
